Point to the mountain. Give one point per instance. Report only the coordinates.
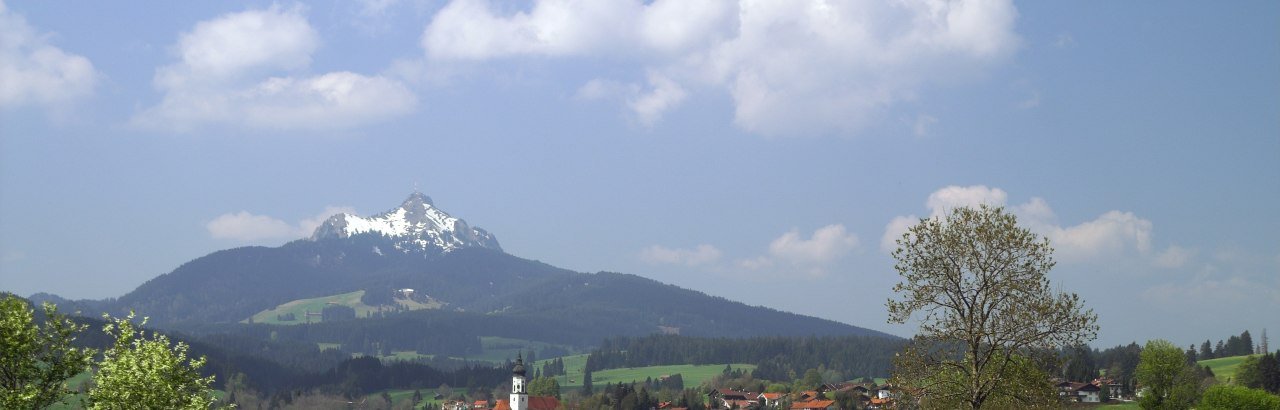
(416, 226)
(419, 246)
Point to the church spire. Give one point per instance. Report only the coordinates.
(519, 397)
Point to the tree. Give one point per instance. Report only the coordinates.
(1269, 372)
(1248, 374)
(544, 386)
(1237, 397)
(1169, 382)
(587, 388)
(35, 361)
(978, 281)
(1206, 352)
(141, 372)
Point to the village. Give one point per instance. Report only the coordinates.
(856, 395)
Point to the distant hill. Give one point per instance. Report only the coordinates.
(420, 247)
(1224, 368)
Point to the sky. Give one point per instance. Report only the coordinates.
(766, 152)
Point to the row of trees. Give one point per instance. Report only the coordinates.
(1234, 346)
(776, 358)
(136, 371)
(1260, 372)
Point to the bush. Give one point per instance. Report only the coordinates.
(1238, 397)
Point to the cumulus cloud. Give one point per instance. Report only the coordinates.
(33, 72)
(811, 255)
(247, 227)
(701, 255)
(243, 69)
(1111, 234)
(646, 105)
(790, 67)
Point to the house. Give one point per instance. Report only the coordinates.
(730, 398)
(1079, 392)
(480, 404)
(884, 392)
(1089, 393)
(880, 403)
(814, 405)
(771, 399)
(455, 405)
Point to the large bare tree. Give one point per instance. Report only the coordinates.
(976, 283)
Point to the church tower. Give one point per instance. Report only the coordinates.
(519, 397)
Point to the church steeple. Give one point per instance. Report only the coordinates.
(519, 397)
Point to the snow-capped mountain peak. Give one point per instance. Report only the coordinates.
(416, 225)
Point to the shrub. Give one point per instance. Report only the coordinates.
(1238, 397)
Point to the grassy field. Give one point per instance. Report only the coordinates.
(496, 350)
(401, 395)
(300, 307)
(1224, 368)
(693, 375)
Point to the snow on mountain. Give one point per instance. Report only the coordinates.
(417, 225)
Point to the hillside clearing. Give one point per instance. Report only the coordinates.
(299, 308)
(1224, 368)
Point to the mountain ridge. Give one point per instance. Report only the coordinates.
(465, 273)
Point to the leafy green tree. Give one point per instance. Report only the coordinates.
(35, 362)
(811, 380)
(1226, 397)
(138, 372)
(544, 386)
(978, 282)
(1169, 382)
(1248, 374)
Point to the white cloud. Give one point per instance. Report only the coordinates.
(894, 230)
(826, 244)
(246, 227)
(472, 30)
(790, 67)
(307, 226)
(1173, 257)
(32, 72)
(942, 201)
(599, 89)
(811, 255)
(1112, 234)
(241, 69)
(701, 255)
(664, 95)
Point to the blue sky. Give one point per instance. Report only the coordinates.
(757, 151)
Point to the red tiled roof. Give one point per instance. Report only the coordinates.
(813, 404)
